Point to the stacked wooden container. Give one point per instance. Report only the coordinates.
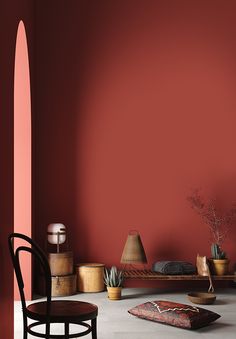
(60, 261)
(62, 270)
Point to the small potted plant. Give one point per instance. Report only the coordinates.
(219, 225)
(113, 279)
(219, 262)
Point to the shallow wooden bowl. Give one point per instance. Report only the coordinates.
(202, 298)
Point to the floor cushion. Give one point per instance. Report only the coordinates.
(175, 314)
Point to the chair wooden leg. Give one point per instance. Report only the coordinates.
(94, 328)
(25, 327)
(66, 330)
(47, 330)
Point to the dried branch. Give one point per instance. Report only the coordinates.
(219, 225)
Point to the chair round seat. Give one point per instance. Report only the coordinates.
(64, 310)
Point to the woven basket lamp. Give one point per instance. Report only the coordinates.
(133, 252)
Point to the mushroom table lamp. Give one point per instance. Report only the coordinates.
(56, 234)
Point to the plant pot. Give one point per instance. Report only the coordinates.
(219, 266)
(114, 293)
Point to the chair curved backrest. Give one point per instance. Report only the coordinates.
(32, 248)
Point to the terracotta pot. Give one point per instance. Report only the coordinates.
(114, 293)
(220, 266)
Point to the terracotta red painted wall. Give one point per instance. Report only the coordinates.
(136, 104)
(11, 12)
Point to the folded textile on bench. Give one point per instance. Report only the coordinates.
(174, 267)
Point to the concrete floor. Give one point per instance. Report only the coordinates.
(115, 322)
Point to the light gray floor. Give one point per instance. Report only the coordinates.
(115, 322)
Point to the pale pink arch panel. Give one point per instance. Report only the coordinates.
(22, 150)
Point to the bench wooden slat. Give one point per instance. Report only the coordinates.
(150, 275)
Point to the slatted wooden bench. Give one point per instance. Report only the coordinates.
(150, 275)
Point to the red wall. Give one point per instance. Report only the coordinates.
(11, 12)
(135, 105)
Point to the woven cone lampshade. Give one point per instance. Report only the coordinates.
(133, 252)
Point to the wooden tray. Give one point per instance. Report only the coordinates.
(202, 298)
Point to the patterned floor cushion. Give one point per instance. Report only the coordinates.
(175, 314)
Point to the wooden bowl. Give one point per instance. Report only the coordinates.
(202, 298)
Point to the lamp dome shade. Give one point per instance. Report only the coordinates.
(56, 233)
(133, 252)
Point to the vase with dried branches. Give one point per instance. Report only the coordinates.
(219, 225)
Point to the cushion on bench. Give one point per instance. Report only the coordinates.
(173, 267)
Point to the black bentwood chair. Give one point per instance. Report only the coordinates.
(47, 312)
